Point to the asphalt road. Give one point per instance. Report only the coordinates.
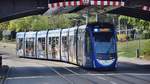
(31, 71)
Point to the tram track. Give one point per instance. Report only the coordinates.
(61, 75)
(110, 78)
(79, 75)
(51, 68)
(74, 73)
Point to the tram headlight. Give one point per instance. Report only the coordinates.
(96, 30)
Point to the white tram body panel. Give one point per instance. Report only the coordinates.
(64, 45)
(41, 44)
(20, 44)
(54, 44)
(30, 44)
(72, 45)
(81, 45)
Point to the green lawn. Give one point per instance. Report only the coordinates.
(129, 49)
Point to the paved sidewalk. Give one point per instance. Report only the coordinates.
(134, 60)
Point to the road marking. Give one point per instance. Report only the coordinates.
(120, 74)
(97, 75)
(112, 82)
(71, 71)
(28, 77)
(69, 81)
(101, 78)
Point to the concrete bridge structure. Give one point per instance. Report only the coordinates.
(12, 9)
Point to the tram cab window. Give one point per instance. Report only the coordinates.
(103, 36)
(104, 42)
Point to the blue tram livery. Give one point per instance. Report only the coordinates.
(91, 46)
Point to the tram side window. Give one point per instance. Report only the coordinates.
(30, 46)
(64, 43)
(57, 45)
(75, 37)
(20, 43)
(20, 46)
(41, 43)
(71, 45)
(53, 47)
(49, 44)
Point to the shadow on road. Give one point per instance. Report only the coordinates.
(123, 67)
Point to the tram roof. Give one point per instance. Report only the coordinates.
(65, 30)
(20, 34)
(30, 34)
(72, 28)
(42, 33)
(53, 33)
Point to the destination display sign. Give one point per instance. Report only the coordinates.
(102, 30)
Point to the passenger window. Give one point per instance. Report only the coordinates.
(30, 46)
(41, 43)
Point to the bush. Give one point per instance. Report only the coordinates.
(146, 49)
(146, 35)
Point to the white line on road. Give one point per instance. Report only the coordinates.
(28, 77)
(112, 82)
(71, 71)
(101, 78)
(140, 74)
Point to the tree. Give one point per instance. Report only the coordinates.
(4, 25)
(142, 27)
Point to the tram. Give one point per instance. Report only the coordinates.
(90, 46)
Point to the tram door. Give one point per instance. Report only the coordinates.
(41, 44)
(64, 45)
(80, 54)
(20, 44)
(30, 41)
(72, 46)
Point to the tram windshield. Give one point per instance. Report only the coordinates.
(104, 42)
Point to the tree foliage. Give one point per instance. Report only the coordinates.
(142, 26)
(35, 23)
(4, 25)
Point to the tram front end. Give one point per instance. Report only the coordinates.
(104, 47)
